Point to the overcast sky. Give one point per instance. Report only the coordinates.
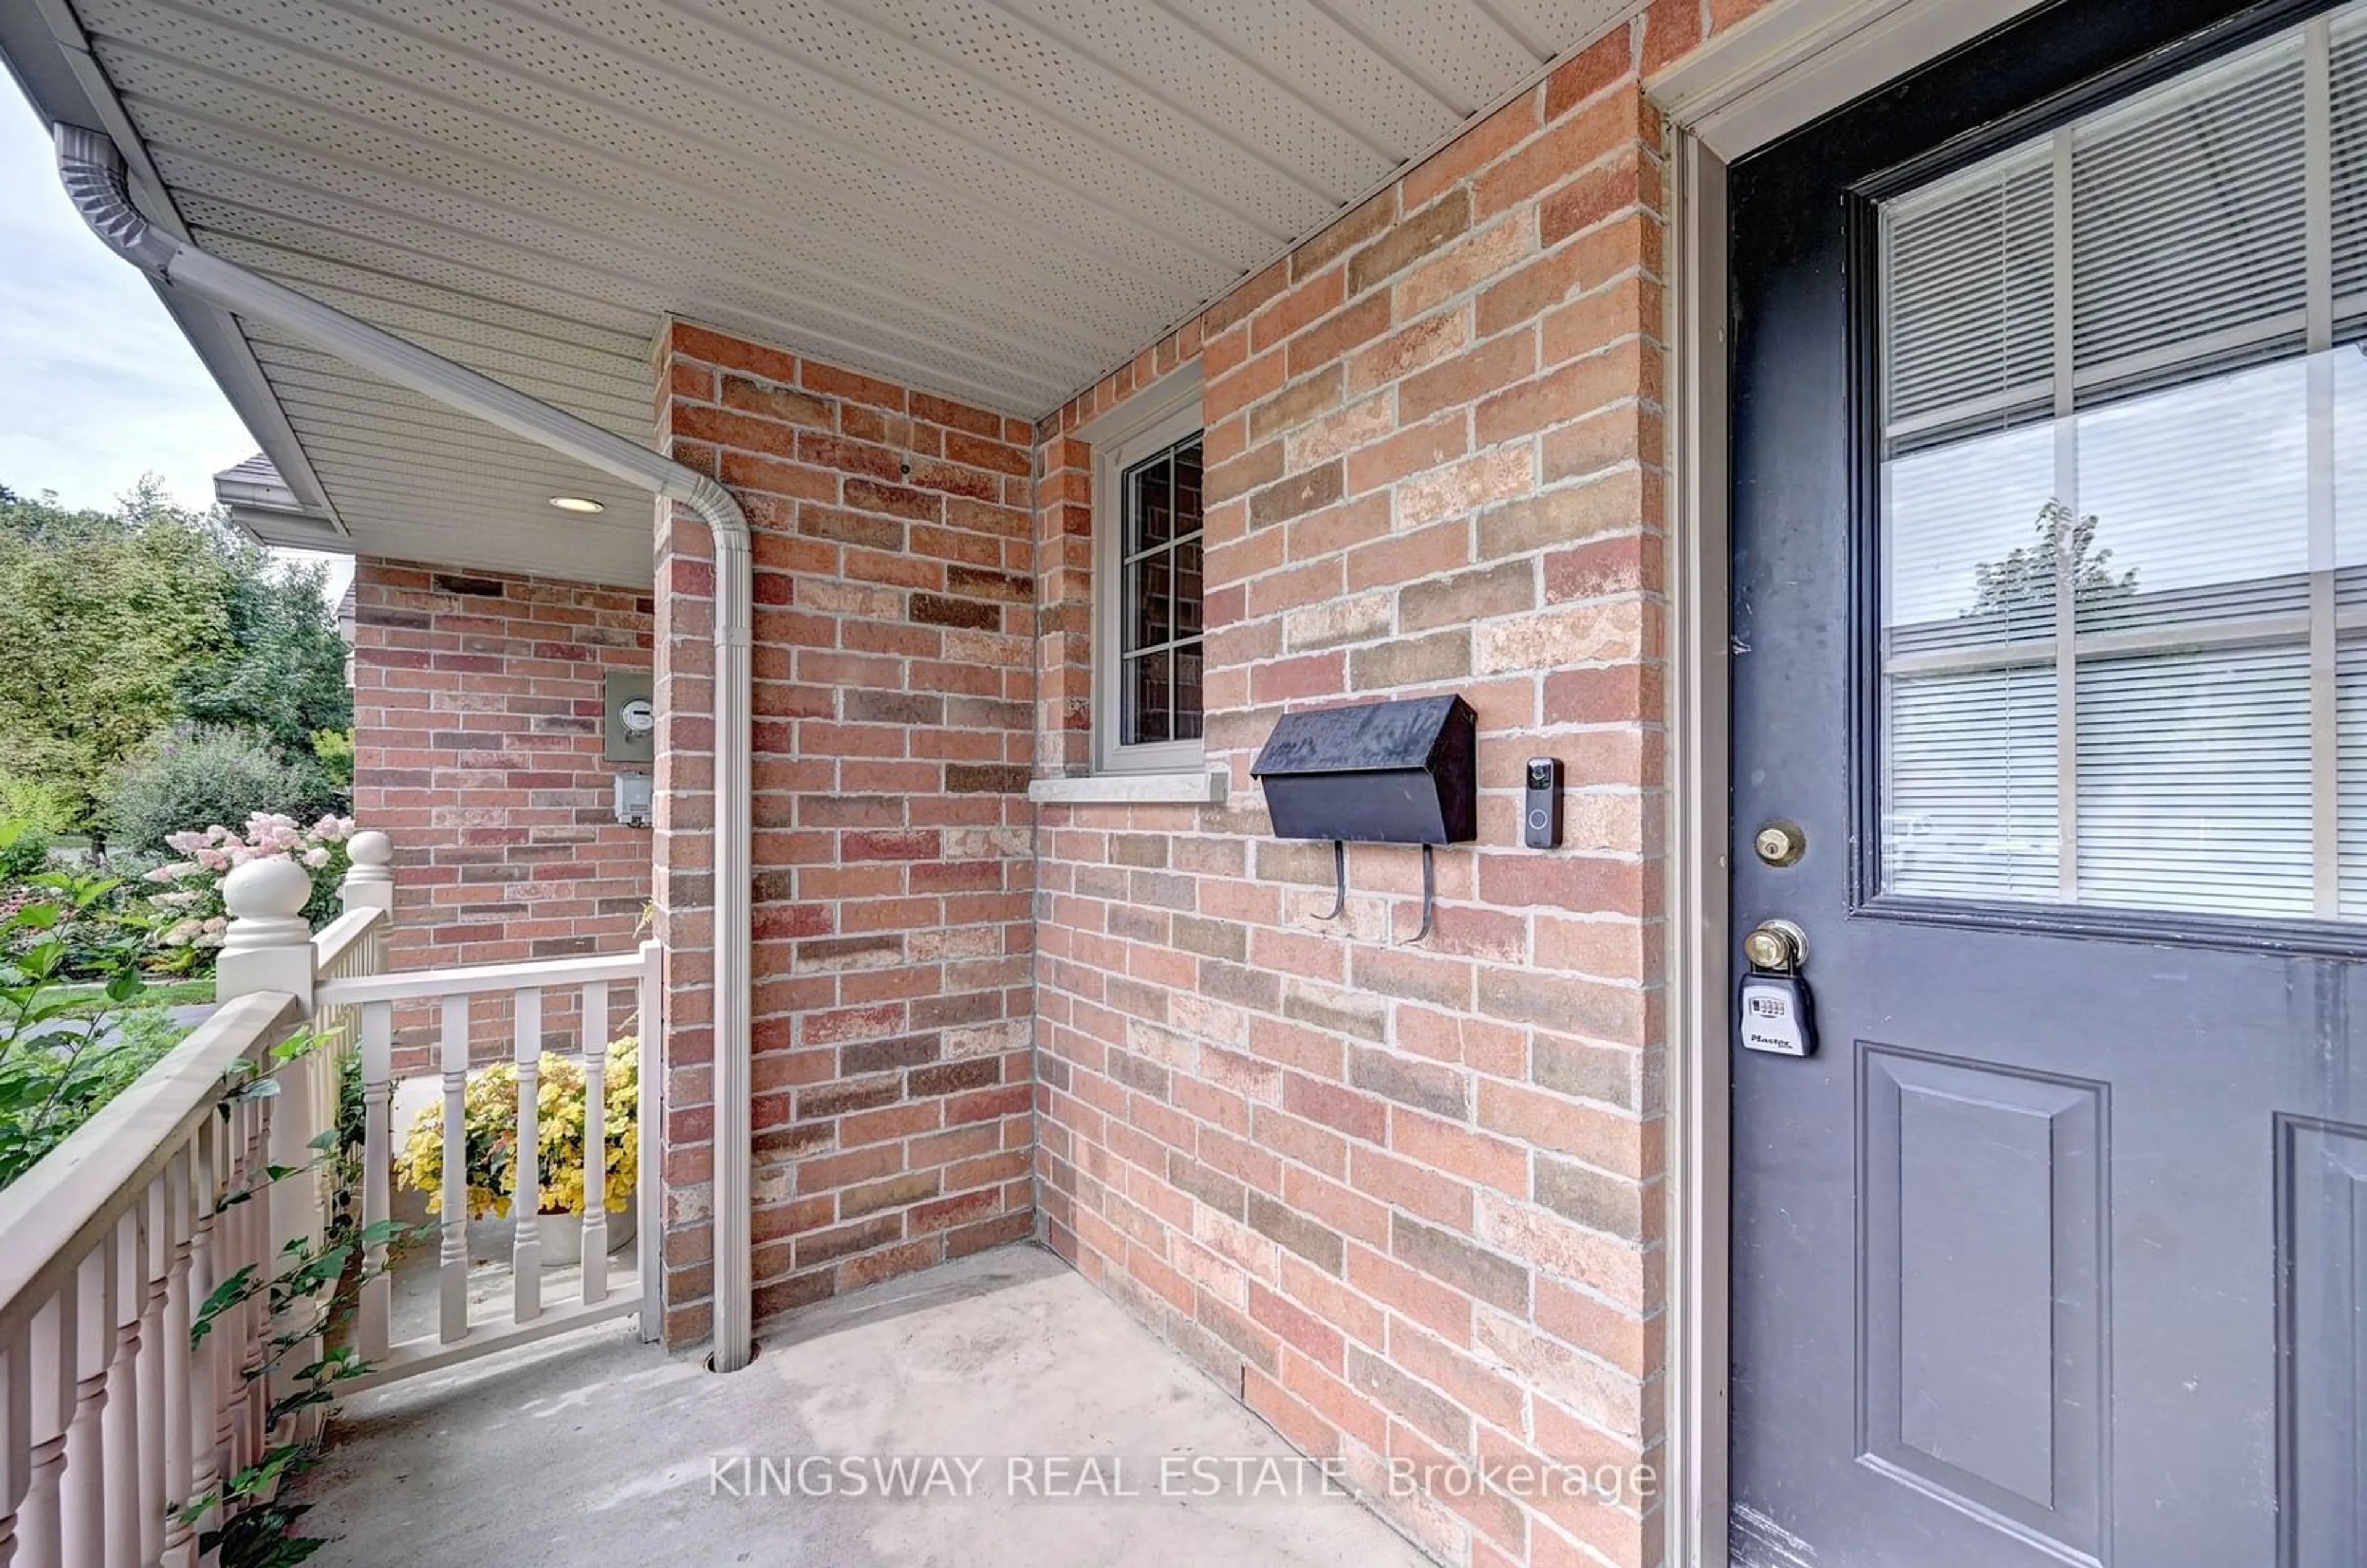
(96, 385)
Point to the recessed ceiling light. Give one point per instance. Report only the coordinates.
(576, 504)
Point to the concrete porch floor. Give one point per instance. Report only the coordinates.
(601, 1448)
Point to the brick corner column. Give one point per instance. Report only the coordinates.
(894, 624)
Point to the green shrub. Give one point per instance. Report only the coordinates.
(25, 799)
(190, 777)
(94, 942)
(61, 1057)
(334, 748)
(24, 849)
(74, 1073)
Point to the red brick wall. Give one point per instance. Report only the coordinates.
(892, 830)
(1406, 1200)
(478, 713)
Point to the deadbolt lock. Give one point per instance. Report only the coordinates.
(1779, 843)
(1776, 945)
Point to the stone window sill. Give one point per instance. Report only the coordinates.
(1133, 789)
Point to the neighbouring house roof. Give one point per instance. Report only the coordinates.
(265, 506)
(256, 472)
(998, 201)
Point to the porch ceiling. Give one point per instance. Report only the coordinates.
(994, 199)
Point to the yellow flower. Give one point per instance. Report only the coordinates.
(488, 1107)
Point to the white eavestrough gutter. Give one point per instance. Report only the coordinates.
(93, 171)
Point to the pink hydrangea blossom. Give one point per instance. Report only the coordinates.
(192, 885)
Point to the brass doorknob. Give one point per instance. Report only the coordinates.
(1776, 944)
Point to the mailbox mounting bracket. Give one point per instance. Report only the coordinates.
(1339, 889)
(1340, 880)
(1428, 896)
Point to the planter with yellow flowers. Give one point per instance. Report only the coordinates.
(489, 1120)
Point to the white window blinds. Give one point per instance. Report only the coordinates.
(2186, 219)
(2124, 501)
(2347, 217)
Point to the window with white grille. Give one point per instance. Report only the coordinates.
(2123, 385)
(1150, 621)
(1159, 569)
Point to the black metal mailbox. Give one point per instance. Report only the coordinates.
(1400, 772)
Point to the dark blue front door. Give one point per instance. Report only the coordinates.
(2050, 645)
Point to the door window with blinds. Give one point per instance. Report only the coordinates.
(2123, 494)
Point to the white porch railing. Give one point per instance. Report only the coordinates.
(459, 1336)
(110, 1417)
(110, 1246)
(115, 1239)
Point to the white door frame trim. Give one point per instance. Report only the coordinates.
(1795, 61)
(1698, 1223)
(1791, 62)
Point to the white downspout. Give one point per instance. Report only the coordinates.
(92, 169)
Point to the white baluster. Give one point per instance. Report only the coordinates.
(229, 1326)
(452, 1267)
(298, 1210)
(235, 1238)
(526, 1246)
(648, 1241)
(15, 1436)
(260, 1328)
(596, 1144)
(179, 1550)
(204, 1404)
(49, 1353)
(157, 1269)
(120, 1421)
(378, 1172)
(249, 1394)
(82, 1524)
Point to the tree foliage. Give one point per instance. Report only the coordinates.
(99, 616)
(282, 669)
(187, 777)
(36, 804)
(117, 626)
(2022, 583)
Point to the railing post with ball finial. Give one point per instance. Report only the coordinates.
(268, 945)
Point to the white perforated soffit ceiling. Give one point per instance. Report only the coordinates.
(994, 199)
